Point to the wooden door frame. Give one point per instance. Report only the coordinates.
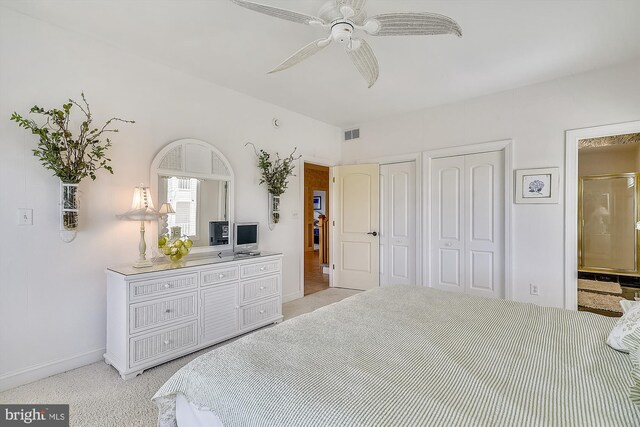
(305, 158)
(571, 200)
(502, 145)
(403, 158)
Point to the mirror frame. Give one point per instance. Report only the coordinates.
(157, 171)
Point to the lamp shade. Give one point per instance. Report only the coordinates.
(141, 206)
(166, 208)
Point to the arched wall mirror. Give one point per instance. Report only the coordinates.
(197, 181)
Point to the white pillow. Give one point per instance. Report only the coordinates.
(626, 325)
(627, 304)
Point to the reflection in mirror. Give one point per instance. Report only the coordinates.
(199, 205)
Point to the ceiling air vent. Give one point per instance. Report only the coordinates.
(351, 134)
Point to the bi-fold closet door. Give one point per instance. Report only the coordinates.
(467, 224)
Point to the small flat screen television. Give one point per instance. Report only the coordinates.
(218, 233)
(245, 237)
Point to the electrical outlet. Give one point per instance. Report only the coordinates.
(25, 216)
(533, 289)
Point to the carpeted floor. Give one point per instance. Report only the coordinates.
(98, 397)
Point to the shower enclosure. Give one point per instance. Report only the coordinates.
(607, 223)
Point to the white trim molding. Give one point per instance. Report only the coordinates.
(571, 200)
(38, 372)
(505, 145)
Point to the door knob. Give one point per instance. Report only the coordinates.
(373, 233)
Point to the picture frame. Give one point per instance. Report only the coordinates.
(541, 185)
(317, 203)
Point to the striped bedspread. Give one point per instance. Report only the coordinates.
(405, 356)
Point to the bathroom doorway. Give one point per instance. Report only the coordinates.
(608, 219)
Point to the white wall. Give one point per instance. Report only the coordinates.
(536, 118)
(52, 294)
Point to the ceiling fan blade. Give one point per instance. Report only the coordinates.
(288, 15)
(365, 61)
(411, 24)
(357, 6)
(307, 51)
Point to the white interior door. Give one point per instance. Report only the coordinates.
(356, 215)
(447, 220)
(467, 228)
(398, 224)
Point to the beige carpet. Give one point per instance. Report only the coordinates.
(99, 397)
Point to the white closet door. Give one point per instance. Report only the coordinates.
(484, 224)
(447, 221)
(467, 224)
(398, 224)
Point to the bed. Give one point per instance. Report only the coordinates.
(411, 356)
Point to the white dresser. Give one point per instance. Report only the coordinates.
(160, 313)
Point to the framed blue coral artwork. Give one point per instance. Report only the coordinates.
(537, 185)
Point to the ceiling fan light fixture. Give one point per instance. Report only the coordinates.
(345, 17)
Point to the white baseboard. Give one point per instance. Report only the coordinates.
(293, 296)
(34, 373)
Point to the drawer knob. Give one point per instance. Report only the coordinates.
(261, 311)
(262, 288)
(166, 342)
(166, 286)
(221, 275)
(262, 268)
(168, 310)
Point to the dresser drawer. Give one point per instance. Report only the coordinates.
(255, 289)
(257, 269)
(218, 275)
(148, 314)
(151, 346)
(256, 313)
(162, 286)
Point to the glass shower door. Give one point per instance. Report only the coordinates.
(608, 215)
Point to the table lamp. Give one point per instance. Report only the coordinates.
(164, 211)
(141, 210)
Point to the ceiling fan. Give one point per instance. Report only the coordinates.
(344, 18)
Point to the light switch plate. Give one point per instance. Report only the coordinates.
(25, 216)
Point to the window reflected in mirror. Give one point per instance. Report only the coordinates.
(198, 205)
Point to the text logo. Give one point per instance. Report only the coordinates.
(34, 415)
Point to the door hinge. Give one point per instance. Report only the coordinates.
(334, 223)
(334, 179)
(333, 266)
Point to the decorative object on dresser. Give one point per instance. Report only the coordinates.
(70, 158)
(167, 312)
(176, 246)
(163, 225)
(141, 210)
(276, 175)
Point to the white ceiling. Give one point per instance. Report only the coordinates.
(506, 44)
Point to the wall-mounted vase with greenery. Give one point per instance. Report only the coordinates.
(71, 157)
(275, 173)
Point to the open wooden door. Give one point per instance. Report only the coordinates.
(356, 198)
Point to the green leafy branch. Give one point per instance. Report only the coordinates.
(275, 173)
(71, 159)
